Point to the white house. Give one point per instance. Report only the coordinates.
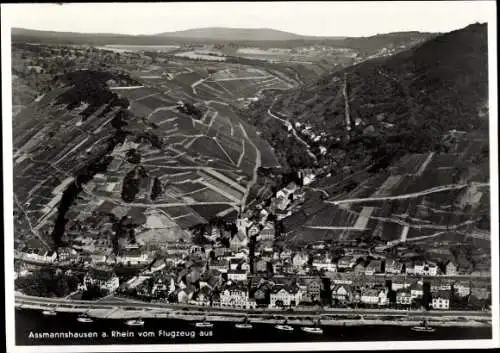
(220, 265)
(425, 269)
(441, 301)
(403, 298)
(239, 241)
(237, 275)
(370, 297)
(103, 279)
(347, 262)
(284, 297)
(324, 262)
(267, 233)
(416, 290)
(309, 178)
(98, 258)
(382, 298)
(299, 260)
(133, 258)
(395, 286)
(340, 293)
(39, 255)
(393, 267)
(462, 288)
(236, 298)
(451, 269)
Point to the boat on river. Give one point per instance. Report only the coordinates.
(135, 322)
(84, 318)
(204, 324)
(244, 325)
(284, 326)
(316, 329)
(424, 327)
(49, 312)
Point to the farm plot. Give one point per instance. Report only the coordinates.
(190, 220)
(331, 216)
(136, 93)
(208, 147)
(155, 102)
(409, 164)
(189, 78)
(232, 146)
(188, 187)
(268, 158)
(304, 236)
(209, 195)
(210, 211)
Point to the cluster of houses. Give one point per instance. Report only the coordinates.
(37, 255)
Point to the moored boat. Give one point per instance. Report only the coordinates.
(84, 318)
(245, 324)
(284, 327)
(204, 324)
(49, 312)
(316, 330)
(136, 322)
(424, 327)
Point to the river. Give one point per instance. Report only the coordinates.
(33, 321)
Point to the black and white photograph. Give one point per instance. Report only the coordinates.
(250, 176)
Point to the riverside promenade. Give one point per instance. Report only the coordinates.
(122, 308)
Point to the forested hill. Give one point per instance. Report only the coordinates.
(443, 82)
(412, 98)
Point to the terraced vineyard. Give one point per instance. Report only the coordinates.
(201, 166)
(424, 196)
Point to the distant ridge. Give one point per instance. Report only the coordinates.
(237, 34)
(204, 35)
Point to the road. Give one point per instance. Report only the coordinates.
(114, 303)
(287, 124)
(200, 81)
(407, 196)
(258, 162)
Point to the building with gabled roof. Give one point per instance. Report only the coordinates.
(285, 296)
(441, 300)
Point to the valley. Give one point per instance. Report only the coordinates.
(182, 170)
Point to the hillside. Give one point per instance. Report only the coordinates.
(416, 165)
(409, 100)
(102, 146)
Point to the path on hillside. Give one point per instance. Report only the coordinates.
(166, 108)
(241, 78)
(200, 81)
(288, 124)
(258, 162)
(407, 196)
(35, 233)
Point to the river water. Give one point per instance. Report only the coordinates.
(167, 331)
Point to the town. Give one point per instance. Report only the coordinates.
(244, 264)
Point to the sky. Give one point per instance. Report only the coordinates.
(306, 18)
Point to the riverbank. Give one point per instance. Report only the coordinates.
(123, 310)
(325, 320)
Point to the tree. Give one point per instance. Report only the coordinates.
(156, 190)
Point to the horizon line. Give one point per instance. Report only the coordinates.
(160, 34)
